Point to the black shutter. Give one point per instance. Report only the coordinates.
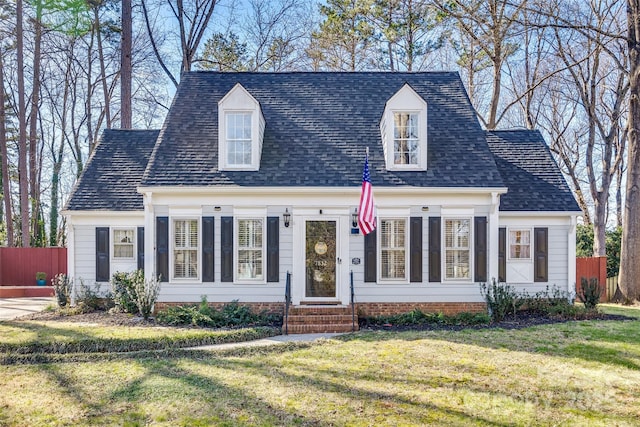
(102, 254)
(480, 248)
(541, 260)
(415, 249)
(140, 239)
(226, 249)
(273, 249)
(502, 254)
(370, 252)
(435, 248)
(207, 248)
(162, 248)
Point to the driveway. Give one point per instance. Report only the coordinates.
(10, 308)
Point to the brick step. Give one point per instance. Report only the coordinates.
(25, 291)
(319, 310)
(319, 319)
(320, 328)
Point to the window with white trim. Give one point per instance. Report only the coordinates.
(238, 138)
(393, 249)
(123, 243)
(457, 233)
(250, 249)
(185, 249)
(520, 244)
(406, 145)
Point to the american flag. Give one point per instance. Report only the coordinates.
(366, 214)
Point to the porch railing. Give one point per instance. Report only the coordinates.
(353, 306)
(287, 303)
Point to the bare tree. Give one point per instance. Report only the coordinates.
(6, 183)
(22, 125)
(125, 66)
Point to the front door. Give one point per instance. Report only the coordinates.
(320, 256)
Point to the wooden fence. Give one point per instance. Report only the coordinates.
(18, 266)
(593, 267)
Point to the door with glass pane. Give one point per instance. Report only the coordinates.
(320, 256)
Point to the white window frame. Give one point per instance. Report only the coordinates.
(379, 249)
(114, 243)
(237, 249)
(530, 244)
(198, 250)
(418, 141)
(469, 249)
(229, 142)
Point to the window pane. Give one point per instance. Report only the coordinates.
(123, 243)
(405, 138)
(185, 250)
(250, 239)
(392, 248)
(457, 253)
(239, 138)
(519, 244)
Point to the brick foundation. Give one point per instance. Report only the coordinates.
(448, 308)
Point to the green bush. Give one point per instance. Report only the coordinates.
(232, 314)
(589, 293)
(122, 284)
(90, 299)
(501, 299)
(551, 300)
(416, 318)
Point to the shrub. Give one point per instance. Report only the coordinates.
(551, 301)
(416, 318)
(144, 294)
(62, 288)
(91, 299)
(232, 314)
(501, 299)
(589, 293)
(122, 284)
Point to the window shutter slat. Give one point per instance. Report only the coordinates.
(415, 249)
(226, 249)
(140, 247)
(273, 249)
(541, 263)
(502, 254)
(480, 246)
(102, 254)
(370, 248)
(207, 248)
(434, 249)
(162, 248)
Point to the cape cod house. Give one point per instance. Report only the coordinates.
(255, 179)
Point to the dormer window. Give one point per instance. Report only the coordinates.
(406, 144)
(403, 130)
(240, 131)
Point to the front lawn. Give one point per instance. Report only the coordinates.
(575, 373)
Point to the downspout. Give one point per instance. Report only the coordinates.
(571, 267)
(494, 225)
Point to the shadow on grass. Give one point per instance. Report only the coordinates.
(610, 342)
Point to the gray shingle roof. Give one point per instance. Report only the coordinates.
(530, 172)
(317, 128)
(113, 172)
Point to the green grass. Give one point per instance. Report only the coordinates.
(576, 373)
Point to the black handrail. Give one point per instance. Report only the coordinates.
(353, 306)
(287, 303)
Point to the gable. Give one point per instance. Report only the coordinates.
(317, 128)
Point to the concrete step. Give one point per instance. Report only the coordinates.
(26, 291)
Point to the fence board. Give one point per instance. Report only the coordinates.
(612, 285)
(593, 267)
(18, 266)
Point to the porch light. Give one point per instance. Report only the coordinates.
(354, 218)
(286, 217)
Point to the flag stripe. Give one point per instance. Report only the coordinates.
(366, 214)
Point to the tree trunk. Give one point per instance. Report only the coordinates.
(34, 187)
(125, 66)
(6, 188)
(103, 73)
(23, 173)
(629, 278)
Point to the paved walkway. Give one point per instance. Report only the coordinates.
(10, 308)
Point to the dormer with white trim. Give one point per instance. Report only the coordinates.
(240, 131)
(403, 128)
